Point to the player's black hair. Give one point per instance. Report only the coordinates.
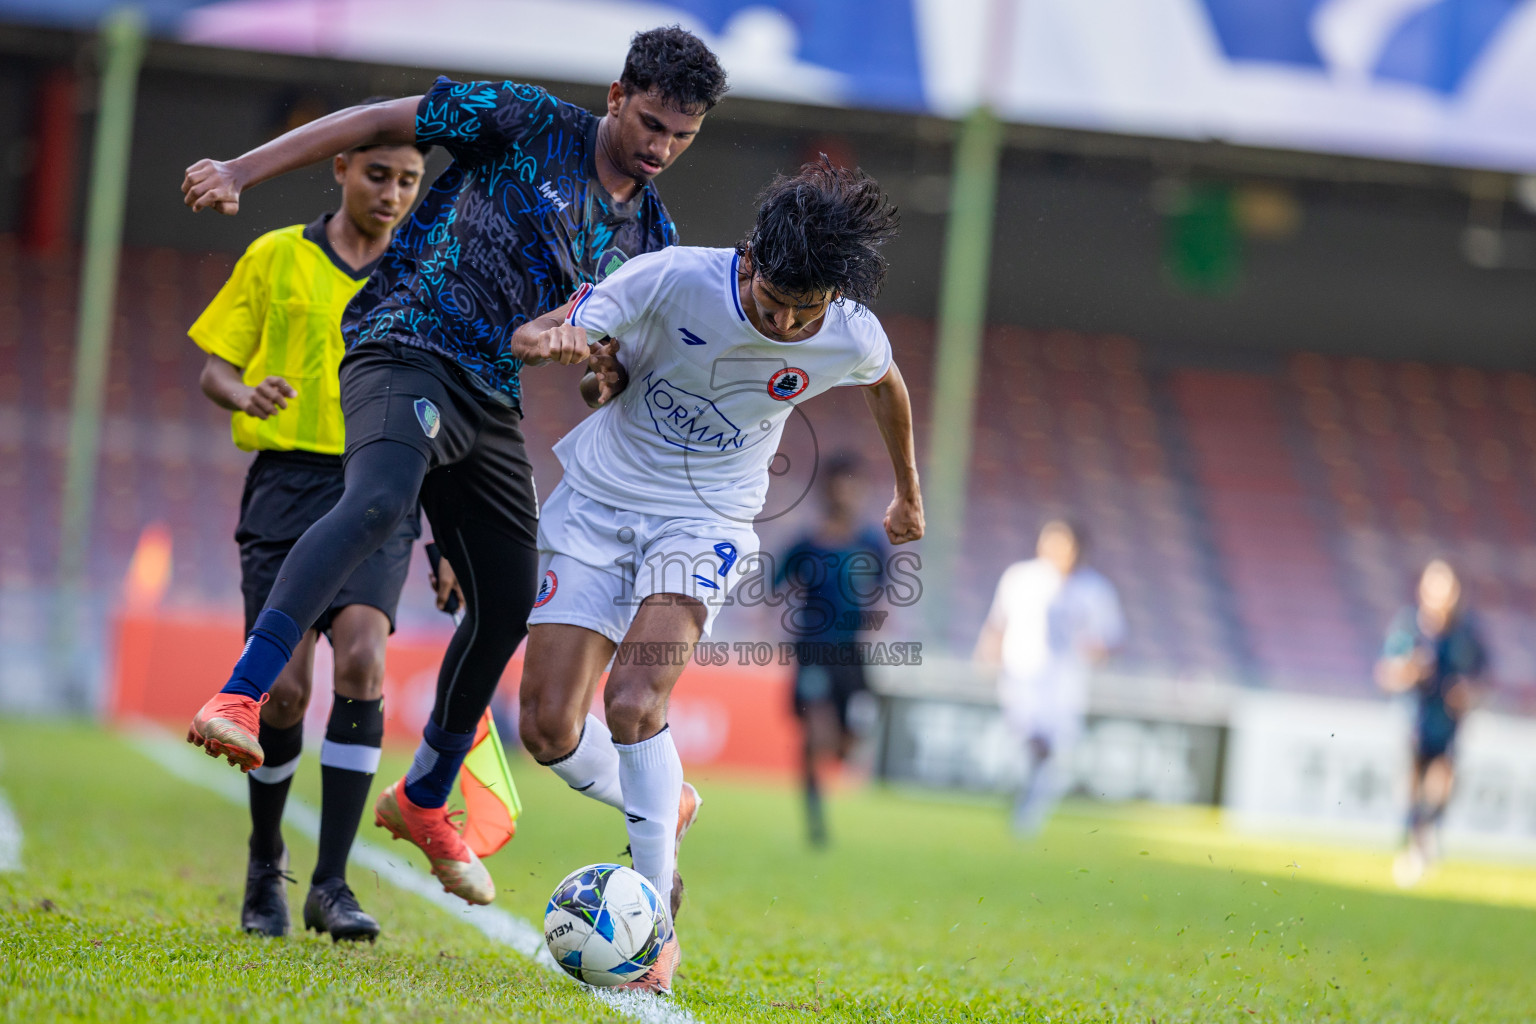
(421, 147)
(822, 230)
(678, 65)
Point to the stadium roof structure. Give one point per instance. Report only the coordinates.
(1450, 82)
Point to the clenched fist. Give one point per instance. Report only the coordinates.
(904, 519)
(212, 184)
(563, 344)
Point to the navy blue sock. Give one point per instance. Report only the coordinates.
(267, 650)
(431, 777)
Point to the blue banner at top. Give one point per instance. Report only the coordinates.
(1446, 81)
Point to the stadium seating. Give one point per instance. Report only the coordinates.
(165, 451)
(1265, 528)
(1077, 434)
(1407, 462)
(1261, 525)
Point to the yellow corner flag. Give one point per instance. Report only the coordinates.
(491, 806)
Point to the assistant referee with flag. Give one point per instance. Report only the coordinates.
(274, 344)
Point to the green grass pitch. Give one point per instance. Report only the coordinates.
(924, 909)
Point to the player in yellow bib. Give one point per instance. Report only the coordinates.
(274, 344)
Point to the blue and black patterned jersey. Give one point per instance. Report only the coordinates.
(515, 225)
(1456, 655)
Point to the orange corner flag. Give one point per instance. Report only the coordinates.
(491, 805)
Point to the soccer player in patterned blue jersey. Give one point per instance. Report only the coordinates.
(1435, 652)
(542, 197)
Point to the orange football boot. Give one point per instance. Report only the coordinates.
(453, 862)
(227, 726)
(687, 810)
(659, 978)
(687, 814)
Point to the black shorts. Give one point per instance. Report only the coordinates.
(835, 684)
(477, 466)
(285, 493)
(1434, 735)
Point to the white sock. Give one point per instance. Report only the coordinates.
(592, 769)
(272, 774)
(652, 779)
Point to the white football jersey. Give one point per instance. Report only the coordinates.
(694, 432)
(1050, 624)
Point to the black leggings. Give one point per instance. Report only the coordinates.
(497, 573)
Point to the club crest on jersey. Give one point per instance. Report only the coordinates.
(788, 383)
(689, 421)
(427, 416)
(612, 259)
(547, 587)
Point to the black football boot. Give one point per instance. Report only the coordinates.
(265, 909)
(332, 908)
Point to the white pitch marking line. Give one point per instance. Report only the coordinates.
(10, 837)
(493, 922)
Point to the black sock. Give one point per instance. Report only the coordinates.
(815, 817)
(269, 787)
(348, 761)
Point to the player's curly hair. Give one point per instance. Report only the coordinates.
(678, 65)
(822, 230)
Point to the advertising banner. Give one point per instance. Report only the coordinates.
(1341, 766)
(1438, 81)
(1435, 81)
(166, 663)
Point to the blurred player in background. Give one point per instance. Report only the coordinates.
(1052, 620)
(273, 338)
(836, 573)
(541, 197)
(660, 478)
(1435, 652)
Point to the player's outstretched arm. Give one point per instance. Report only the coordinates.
(221, 381)
(549, 339)
(892, 408)
(217, 184)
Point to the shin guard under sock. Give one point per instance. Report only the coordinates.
(267, 650)
(268, 787)
(592, 769)
(431, 777)
(651, 776)
(348, 760)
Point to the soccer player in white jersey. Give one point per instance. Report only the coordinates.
(651, 527)
(1052, 620)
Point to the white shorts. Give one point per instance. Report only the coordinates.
(1044, 709)
(597, 562)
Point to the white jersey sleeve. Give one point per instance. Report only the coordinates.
(1106, 617)
(997, 617)
(614, 307)
(877, 359)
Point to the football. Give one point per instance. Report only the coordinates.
(605, 925)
